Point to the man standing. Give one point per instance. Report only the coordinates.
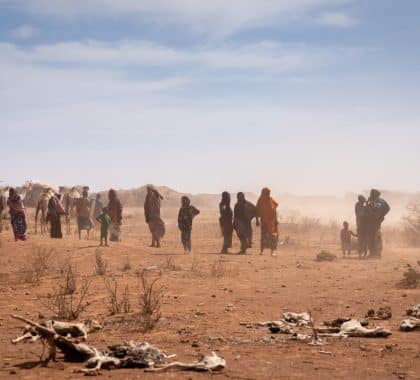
(376, 209)
(243, 214)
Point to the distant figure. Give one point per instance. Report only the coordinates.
(99, 206)
(83, 214)
(267, 213)
(376, 209)
(55, 210)
(115, 210)
(17, 215)
(361, 223)
(226, 221)
(152, 215)
(186, 214)
(345, 237)
(3, 205)
(105, 221)
(244, 212)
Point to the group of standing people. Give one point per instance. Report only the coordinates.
(370, 213)
(240, 220)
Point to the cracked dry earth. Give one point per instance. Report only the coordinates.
(207, 296)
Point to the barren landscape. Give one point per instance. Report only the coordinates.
(206, 296)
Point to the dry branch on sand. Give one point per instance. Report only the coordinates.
(150, 297)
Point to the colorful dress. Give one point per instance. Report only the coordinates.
(17, 216)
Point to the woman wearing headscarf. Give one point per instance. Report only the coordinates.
(226, 221)
(267, 214)
(152, 215)
(17, 215)
(115, 212)
(55, 210)
(244, 212)
(84, 221)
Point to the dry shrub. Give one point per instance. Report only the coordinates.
(411, 277)
(126, 265)
(325, 256)
(150, 298)
(170, 264)
(218, 269)
(36, 265)
(412, 224)
(117, 305)
(101, 265)
(68, 276)
(65, 305)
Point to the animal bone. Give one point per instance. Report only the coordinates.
(410, 324)
(68, 329)
(382, 313)
(353, 328)
(298, 319)
(211, 362)
(414, 311)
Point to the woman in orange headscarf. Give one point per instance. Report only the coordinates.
(267, 213)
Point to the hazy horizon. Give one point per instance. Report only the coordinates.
(311, 97)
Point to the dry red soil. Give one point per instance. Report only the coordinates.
(207, 295)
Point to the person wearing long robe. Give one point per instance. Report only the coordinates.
(361, 225)
(244, 212)
(84, 221)
(115, 210)
(17, 215)
(267, 216)
(376, 209)
(186, 214)
(55, 210)
(226, 221)
(152, 206)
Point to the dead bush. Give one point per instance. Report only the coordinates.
(150, 298)
(36, 265)
(126, 265)
(68, 276)
(117, 303)
(101, 265)
(412, 224)
(325, 256)
(170, 264)
(218, 269)
(411, 277)
(68, 306)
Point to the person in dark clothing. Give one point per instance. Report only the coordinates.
(55, 210)
(17, 215)
(376, 209)
(152, 206)
(361, 214)
(186, 214)
(115, 212)
(226, 221)
(244, 212)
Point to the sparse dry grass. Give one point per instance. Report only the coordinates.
(101, 265)
(117, 303)
(36, 265)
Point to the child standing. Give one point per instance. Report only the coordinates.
(345, 237)
(105, 220)
(186, 214)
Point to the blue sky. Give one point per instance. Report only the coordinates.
(305, 96)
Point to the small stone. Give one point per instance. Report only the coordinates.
(195, 344)
(12, 372)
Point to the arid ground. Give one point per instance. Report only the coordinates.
(206, 297)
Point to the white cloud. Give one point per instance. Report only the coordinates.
(337, 19)
(24, 32)
(218, 17)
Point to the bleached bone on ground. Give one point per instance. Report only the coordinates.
(68, 329)
(353, 328)
(298, 319)
(410, 324)
(414, 311)
(211, 362)
(275, 327)
(72, 350)
(312, 340)
(381, 313)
